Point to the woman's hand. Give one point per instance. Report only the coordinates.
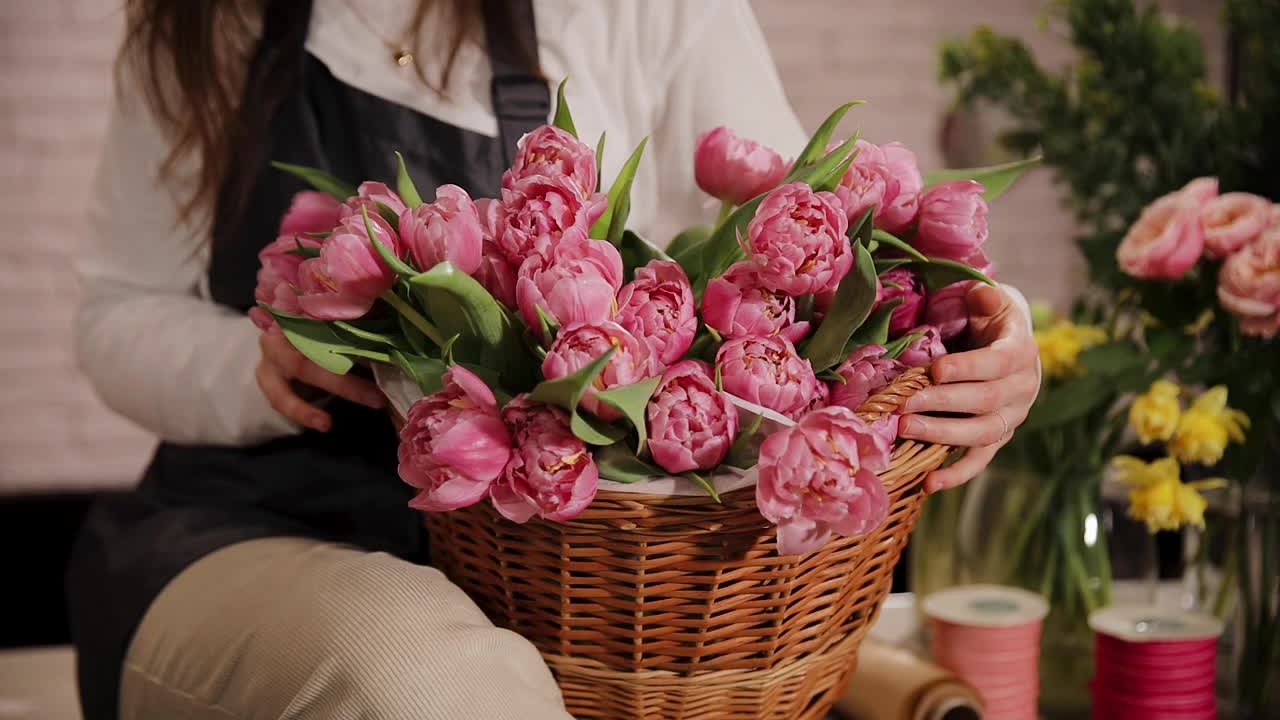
(994, 385)
(281, 364)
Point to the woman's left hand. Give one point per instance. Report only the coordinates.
(994, 384)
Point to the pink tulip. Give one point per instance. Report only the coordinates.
(768, 372)
(691, 423)
(310, 211)
(902, 284)
(370, 195)
(349, 275)
(736, 305)
(657, 307)
(1249, 285)
(734, 169)
(924, 349)
(278, 265)
(552, 152)
(1233, 220)
(953, 221)
(948, 309)
(1168, 238)
(538, 211)
(453, 444)
(819, 478)
(575, 283)
(886, 177)
(551, 473)
(445, 230)
(865, 372)
(577, 345)
(496, 274)
(797, 241)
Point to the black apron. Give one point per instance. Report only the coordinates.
(341, 485)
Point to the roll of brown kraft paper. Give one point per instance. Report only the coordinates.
(894, 684)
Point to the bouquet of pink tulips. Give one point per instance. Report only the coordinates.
(551, 348)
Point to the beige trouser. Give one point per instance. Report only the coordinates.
(296, 628)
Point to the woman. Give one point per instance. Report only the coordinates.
(264, 567)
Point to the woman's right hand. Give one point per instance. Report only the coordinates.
(281, 364)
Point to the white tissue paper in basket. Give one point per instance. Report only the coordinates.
(402, 392)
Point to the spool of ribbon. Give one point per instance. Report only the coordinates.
(989, 636)
(1154, 663)
(892, 683)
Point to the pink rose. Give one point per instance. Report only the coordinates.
(657, 307)
(797, 241)
(1249, 285)
(551, 473)
(953, 221)
(278, 279)
(886, 177)
(691, 423)
(736, 305)
(924, 349)
(370, 195)
(575, 283)
(865, 372)
(496, 275)
(948, 309)
(445, 230)
(538, 211)
(310, 211)
(735, 169)
(901, 283)
(453, 444)
(1168, 238)
(768, 372)
(349, 275)
(1233, 220)
(577, 345)
(553, 152)
(819, 478)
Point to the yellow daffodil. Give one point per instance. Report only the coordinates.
(1157, 495)
(1206, 427)
(1154, 414)
(1060, 346)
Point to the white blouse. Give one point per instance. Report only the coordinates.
(162, 354)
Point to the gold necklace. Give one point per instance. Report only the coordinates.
(401, 53)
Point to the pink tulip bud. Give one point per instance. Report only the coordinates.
(576, 346)
(349, 275)
(691, 423)
(768, 372)
(865, 372)
(310, 211)
(657, 307)
(924, 349)
(453, 444)
(1167, 239)
(370, 195)
(948, 309)
(902, 284)
(551, 473)
(496, 275)
(575, 283)
(552, 152)
(885, 177)
(797, 241)
(278, 283)
(540, 210)
(953, 220)
(734, 169)
(1232, 221)
(736, 305)
(445, 230)
(1249, 285)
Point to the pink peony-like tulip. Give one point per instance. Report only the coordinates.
(277, 287)
(924, 349)
(1249, 285)
(768, 372)
(953, 221)
(551, 473)
(1233, 220)
(349, 275)
(540, 210)
(797, 241)
(948, 309)
(310, 211)
(1167, 239)
(819, 478)
(575, 283)
(691, 423)
(577, 345)
(445, 230)
(552, 152)
(865, 372)
(496, 274)
(734, 169)
(657, 307)
(453, 444)
(370, 195)
(736, 305)
(886, 177)
(902, 284)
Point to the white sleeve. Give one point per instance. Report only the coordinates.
(156, 352)
(723, 75)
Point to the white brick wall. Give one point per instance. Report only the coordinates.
(54, 84)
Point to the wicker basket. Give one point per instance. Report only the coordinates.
(652, 607)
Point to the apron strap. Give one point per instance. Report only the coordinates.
(521, 99)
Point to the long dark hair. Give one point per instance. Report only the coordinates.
(190, 59)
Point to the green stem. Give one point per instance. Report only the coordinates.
(370, 354)
(726, 209)
(1228, 582)
(414, 317)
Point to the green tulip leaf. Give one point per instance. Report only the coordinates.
(404, 184)
(460, 305)
(399, 266)
(703, 483)
(826, 175)
(600, 159)
(853, 302)
(318, 179)
(426, 372)
(613, 221)
(316, 340)
(817, 146)
(618, 463)
(566, 392)
(377, 338)
(722, 249)
(637, 252)
(631, 401)
(893, 350)
(563, 119)
(688, 239)
(938, 273)
(875, 331)
(898, 244)
(593, 430)
(995, 178)
(861, 231)
(1069, 400)
(744, 452)
(304, 250)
